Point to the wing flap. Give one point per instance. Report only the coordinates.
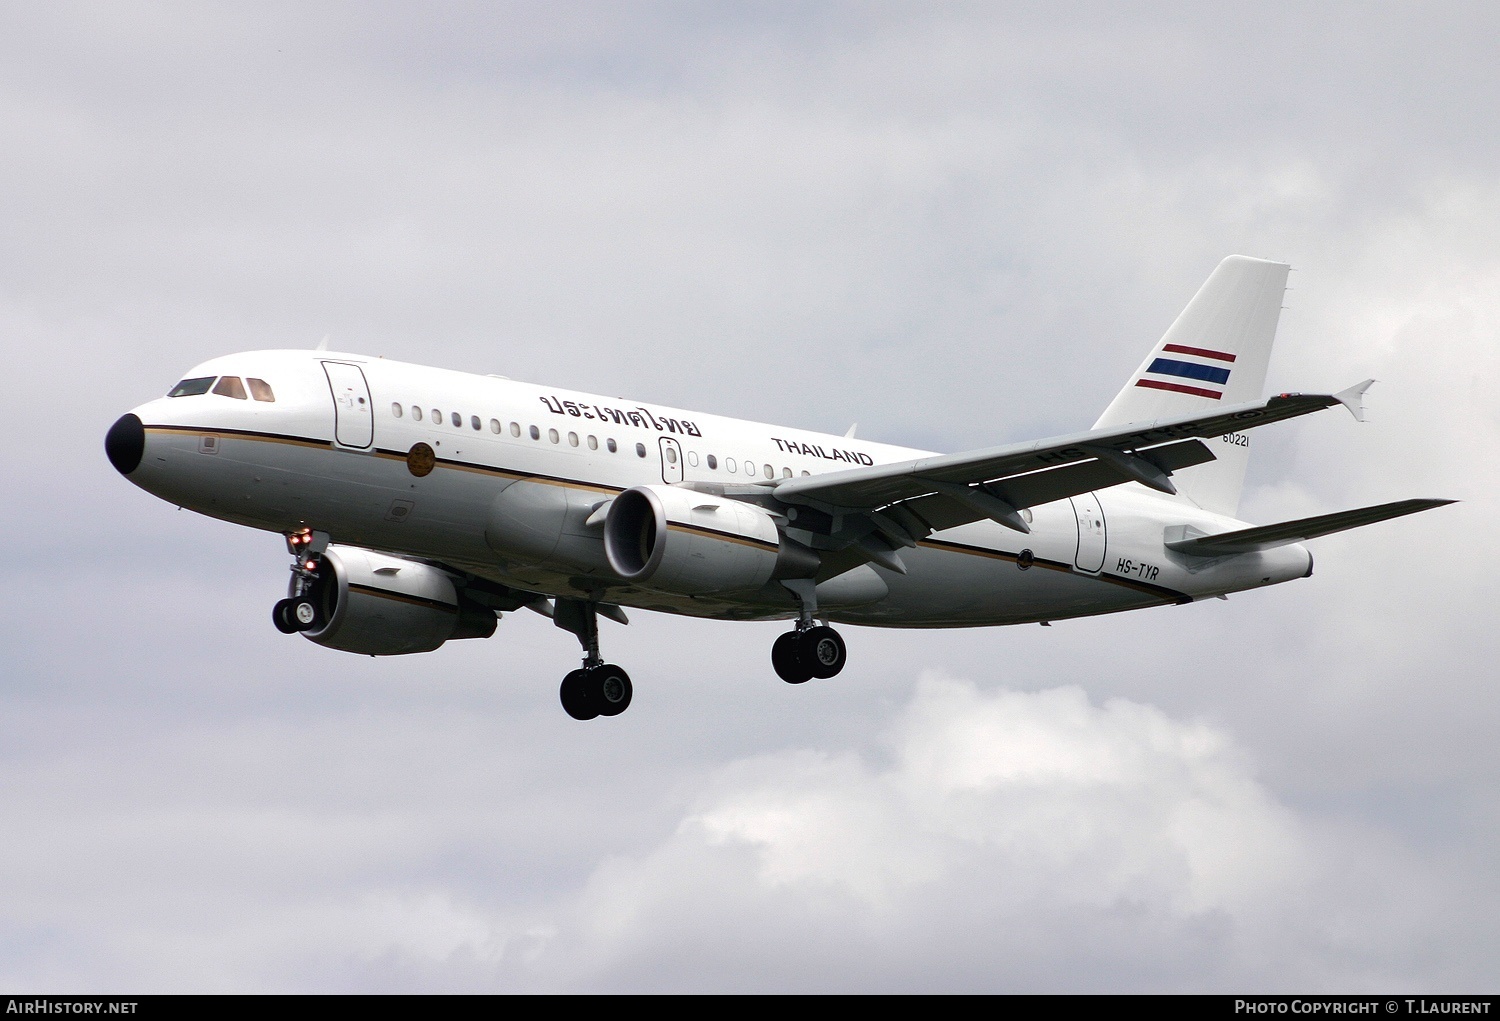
(1036, 488)
(880, 485)
(1263, 537)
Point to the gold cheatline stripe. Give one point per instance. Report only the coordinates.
(390, 455)
(241, 434)
(504, 473)
(1160, 591)
(710, 533)
(980, 551)
(400, 598)
(395, 455)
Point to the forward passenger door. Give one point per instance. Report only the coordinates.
(353, 418)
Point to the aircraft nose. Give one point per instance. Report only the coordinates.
(125, 443)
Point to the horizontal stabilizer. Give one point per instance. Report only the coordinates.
(1263, 537)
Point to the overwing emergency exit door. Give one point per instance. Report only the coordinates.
(671, 460)
(1091, 533)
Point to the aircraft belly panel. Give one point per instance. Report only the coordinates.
(954, 588)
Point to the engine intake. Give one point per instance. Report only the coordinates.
(690, 543)
(379, 605)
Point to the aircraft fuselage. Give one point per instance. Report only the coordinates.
(334, 452)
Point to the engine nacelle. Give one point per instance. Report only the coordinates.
(690, 543)
(379, 605)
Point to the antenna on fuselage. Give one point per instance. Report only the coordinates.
(322, 344)
(850, 434)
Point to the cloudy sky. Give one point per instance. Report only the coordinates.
(957, 225)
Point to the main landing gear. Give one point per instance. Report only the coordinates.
(302, 610)
(812, 650)
(597, 688)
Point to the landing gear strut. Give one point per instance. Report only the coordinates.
(302, 610)
(812, 650)
(597, 688)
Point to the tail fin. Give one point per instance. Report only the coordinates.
(1215, 354)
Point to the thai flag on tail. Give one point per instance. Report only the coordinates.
(1208, 379)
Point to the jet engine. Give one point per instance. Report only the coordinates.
(690, 543)
(379, 605)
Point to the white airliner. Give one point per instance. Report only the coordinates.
(419, 503)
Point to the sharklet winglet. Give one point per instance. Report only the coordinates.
(1353, 399)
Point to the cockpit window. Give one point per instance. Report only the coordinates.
(230, 386)
(260, 389)
(192, 387)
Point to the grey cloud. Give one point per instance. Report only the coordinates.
(956, 227)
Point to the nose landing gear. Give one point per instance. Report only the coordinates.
(302, 610)
(812, 650)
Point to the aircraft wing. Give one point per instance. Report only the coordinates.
(952, 489)
(1262, 537)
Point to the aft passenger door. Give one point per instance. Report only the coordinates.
(1089, 514)
(353, 418)
(671, 460)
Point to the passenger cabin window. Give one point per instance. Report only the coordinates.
(536, 433)
(713, 462)
(611, 444)
(192, 387)
(457, 420)
(396, 409)
(261, 390)
(640, 450)
(474, 423)
(495, 426)
(230, 386)
(416, 413)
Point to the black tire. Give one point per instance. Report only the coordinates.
(281, 616)
(303, 614)
(823, 651)
(786, 657)
(576, 695)
(610, 689)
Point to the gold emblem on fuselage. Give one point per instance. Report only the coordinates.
(420, 459)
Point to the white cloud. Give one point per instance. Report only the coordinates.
(988, 832)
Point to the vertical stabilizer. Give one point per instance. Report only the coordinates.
(1215, 354)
